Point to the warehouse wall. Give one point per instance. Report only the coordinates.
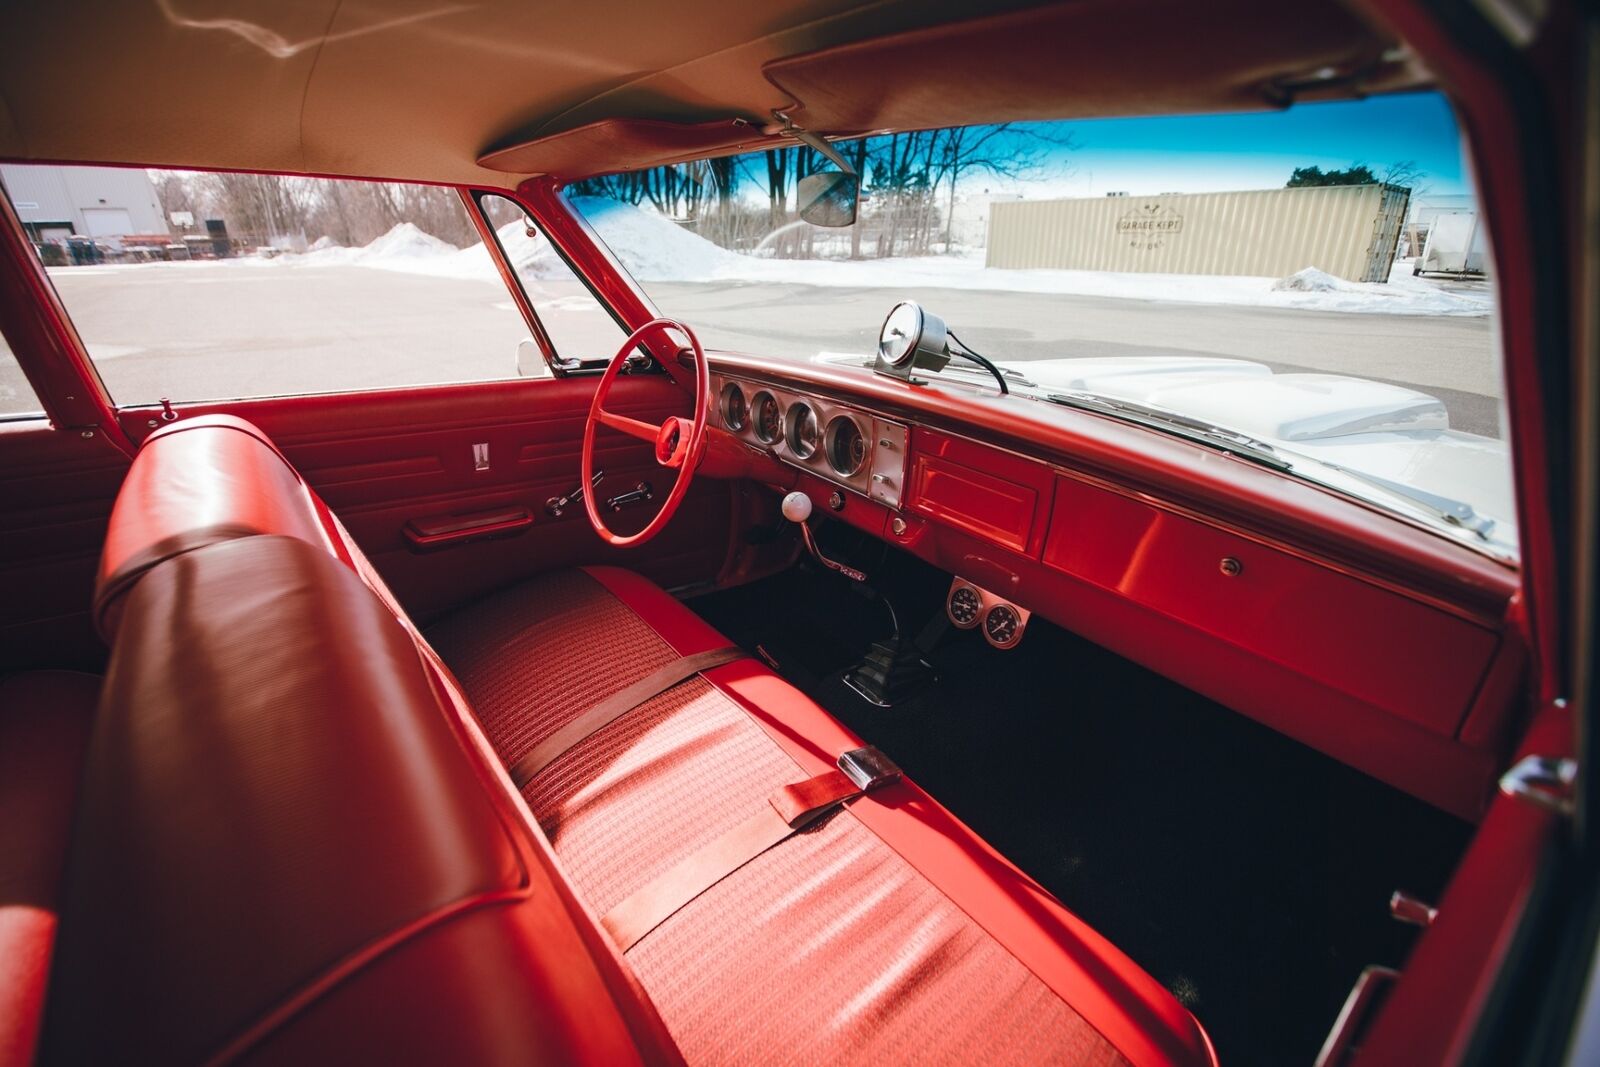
(63, 194)
(1348, 231)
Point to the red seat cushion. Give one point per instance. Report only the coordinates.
(44, 729)
(890, 927)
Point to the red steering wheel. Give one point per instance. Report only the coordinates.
(679, 442)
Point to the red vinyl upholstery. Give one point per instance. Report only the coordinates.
(892, 926)
(266, 811)
(197, 483)
(318, 852)
(44, 729)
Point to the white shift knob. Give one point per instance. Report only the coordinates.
(797, 507)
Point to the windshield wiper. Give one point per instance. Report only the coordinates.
(1451, 512)
(1219, 437)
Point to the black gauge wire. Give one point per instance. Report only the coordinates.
(966, 350)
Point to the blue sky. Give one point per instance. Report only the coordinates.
(1219, 153)
(1202, 153)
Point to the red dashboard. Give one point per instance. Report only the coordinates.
(1377, 643)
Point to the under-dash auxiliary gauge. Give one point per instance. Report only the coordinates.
(965, 606)
(971, 607)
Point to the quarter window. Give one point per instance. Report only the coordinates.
(579, 326)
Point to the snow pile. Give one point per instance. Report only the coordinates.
(406, 242)
(1310, 280)
(657, 249)
(406, 248)
(1402, 294)
(653, 249)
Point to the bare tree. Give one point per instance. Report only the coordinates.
(1404, 172)
(912, 181)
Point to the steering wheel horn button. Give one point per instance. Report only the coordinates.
(672, 441)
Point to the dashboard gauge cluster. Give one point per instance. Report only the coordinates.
(842, 444)
(971, 607)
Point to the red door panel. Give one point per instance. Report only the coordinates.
(387, 461)
(57, 487)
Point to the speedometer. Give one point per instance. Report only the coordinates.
(801, 430)
(769, 417)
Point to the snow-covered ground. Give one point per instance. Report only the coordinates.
(656, 249)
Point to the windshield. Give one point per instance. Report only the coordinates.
(1314, 281)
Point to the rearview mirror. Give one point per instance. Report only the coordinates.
(828, 198)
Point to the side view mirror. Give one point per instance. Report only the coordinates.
(530, 360)
(828, 198)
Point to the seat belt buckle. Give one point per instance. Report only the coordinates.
(868, 768)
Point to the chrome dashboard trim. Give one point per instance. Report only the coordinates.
(880, 478)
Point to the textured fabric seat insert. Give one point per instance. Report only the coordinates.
(830, 946)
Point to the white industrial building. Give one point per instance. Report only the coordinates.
(969, 217)
(104, 203)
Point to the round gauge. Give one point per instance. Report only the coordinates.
(847, 447)
(1000, 625)
(964, 606)
(897, 342)
(768, 417)
(735, 412)
(801, 430)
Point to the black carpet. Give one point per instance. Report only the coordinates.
(1246, 872)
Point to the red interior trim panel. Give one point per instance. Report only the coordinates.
(1380, 669)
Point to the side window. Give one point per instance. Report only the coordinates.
(579, 326)
(16, 395)
(199, 286)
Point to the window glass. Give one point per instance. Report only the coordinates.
(579, 326)
(200, 286)
(1315, 280)
(16, 395)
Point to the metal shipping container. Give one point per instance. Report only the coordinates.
(1349, 231)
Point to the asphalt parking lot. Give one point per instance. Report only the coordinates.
(208, 331)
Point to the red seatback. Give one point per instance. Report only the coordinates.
(280, 827)
(294, 838)
(195, 483)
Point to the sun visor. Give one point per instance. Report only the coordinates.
(1088, 59)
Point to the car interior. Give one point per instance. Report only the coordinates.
(686, 705)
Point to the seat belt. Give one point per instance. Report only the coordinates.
(787, 812)
(614, 707)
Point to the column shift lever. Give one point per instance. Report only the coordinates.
(797, 509)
